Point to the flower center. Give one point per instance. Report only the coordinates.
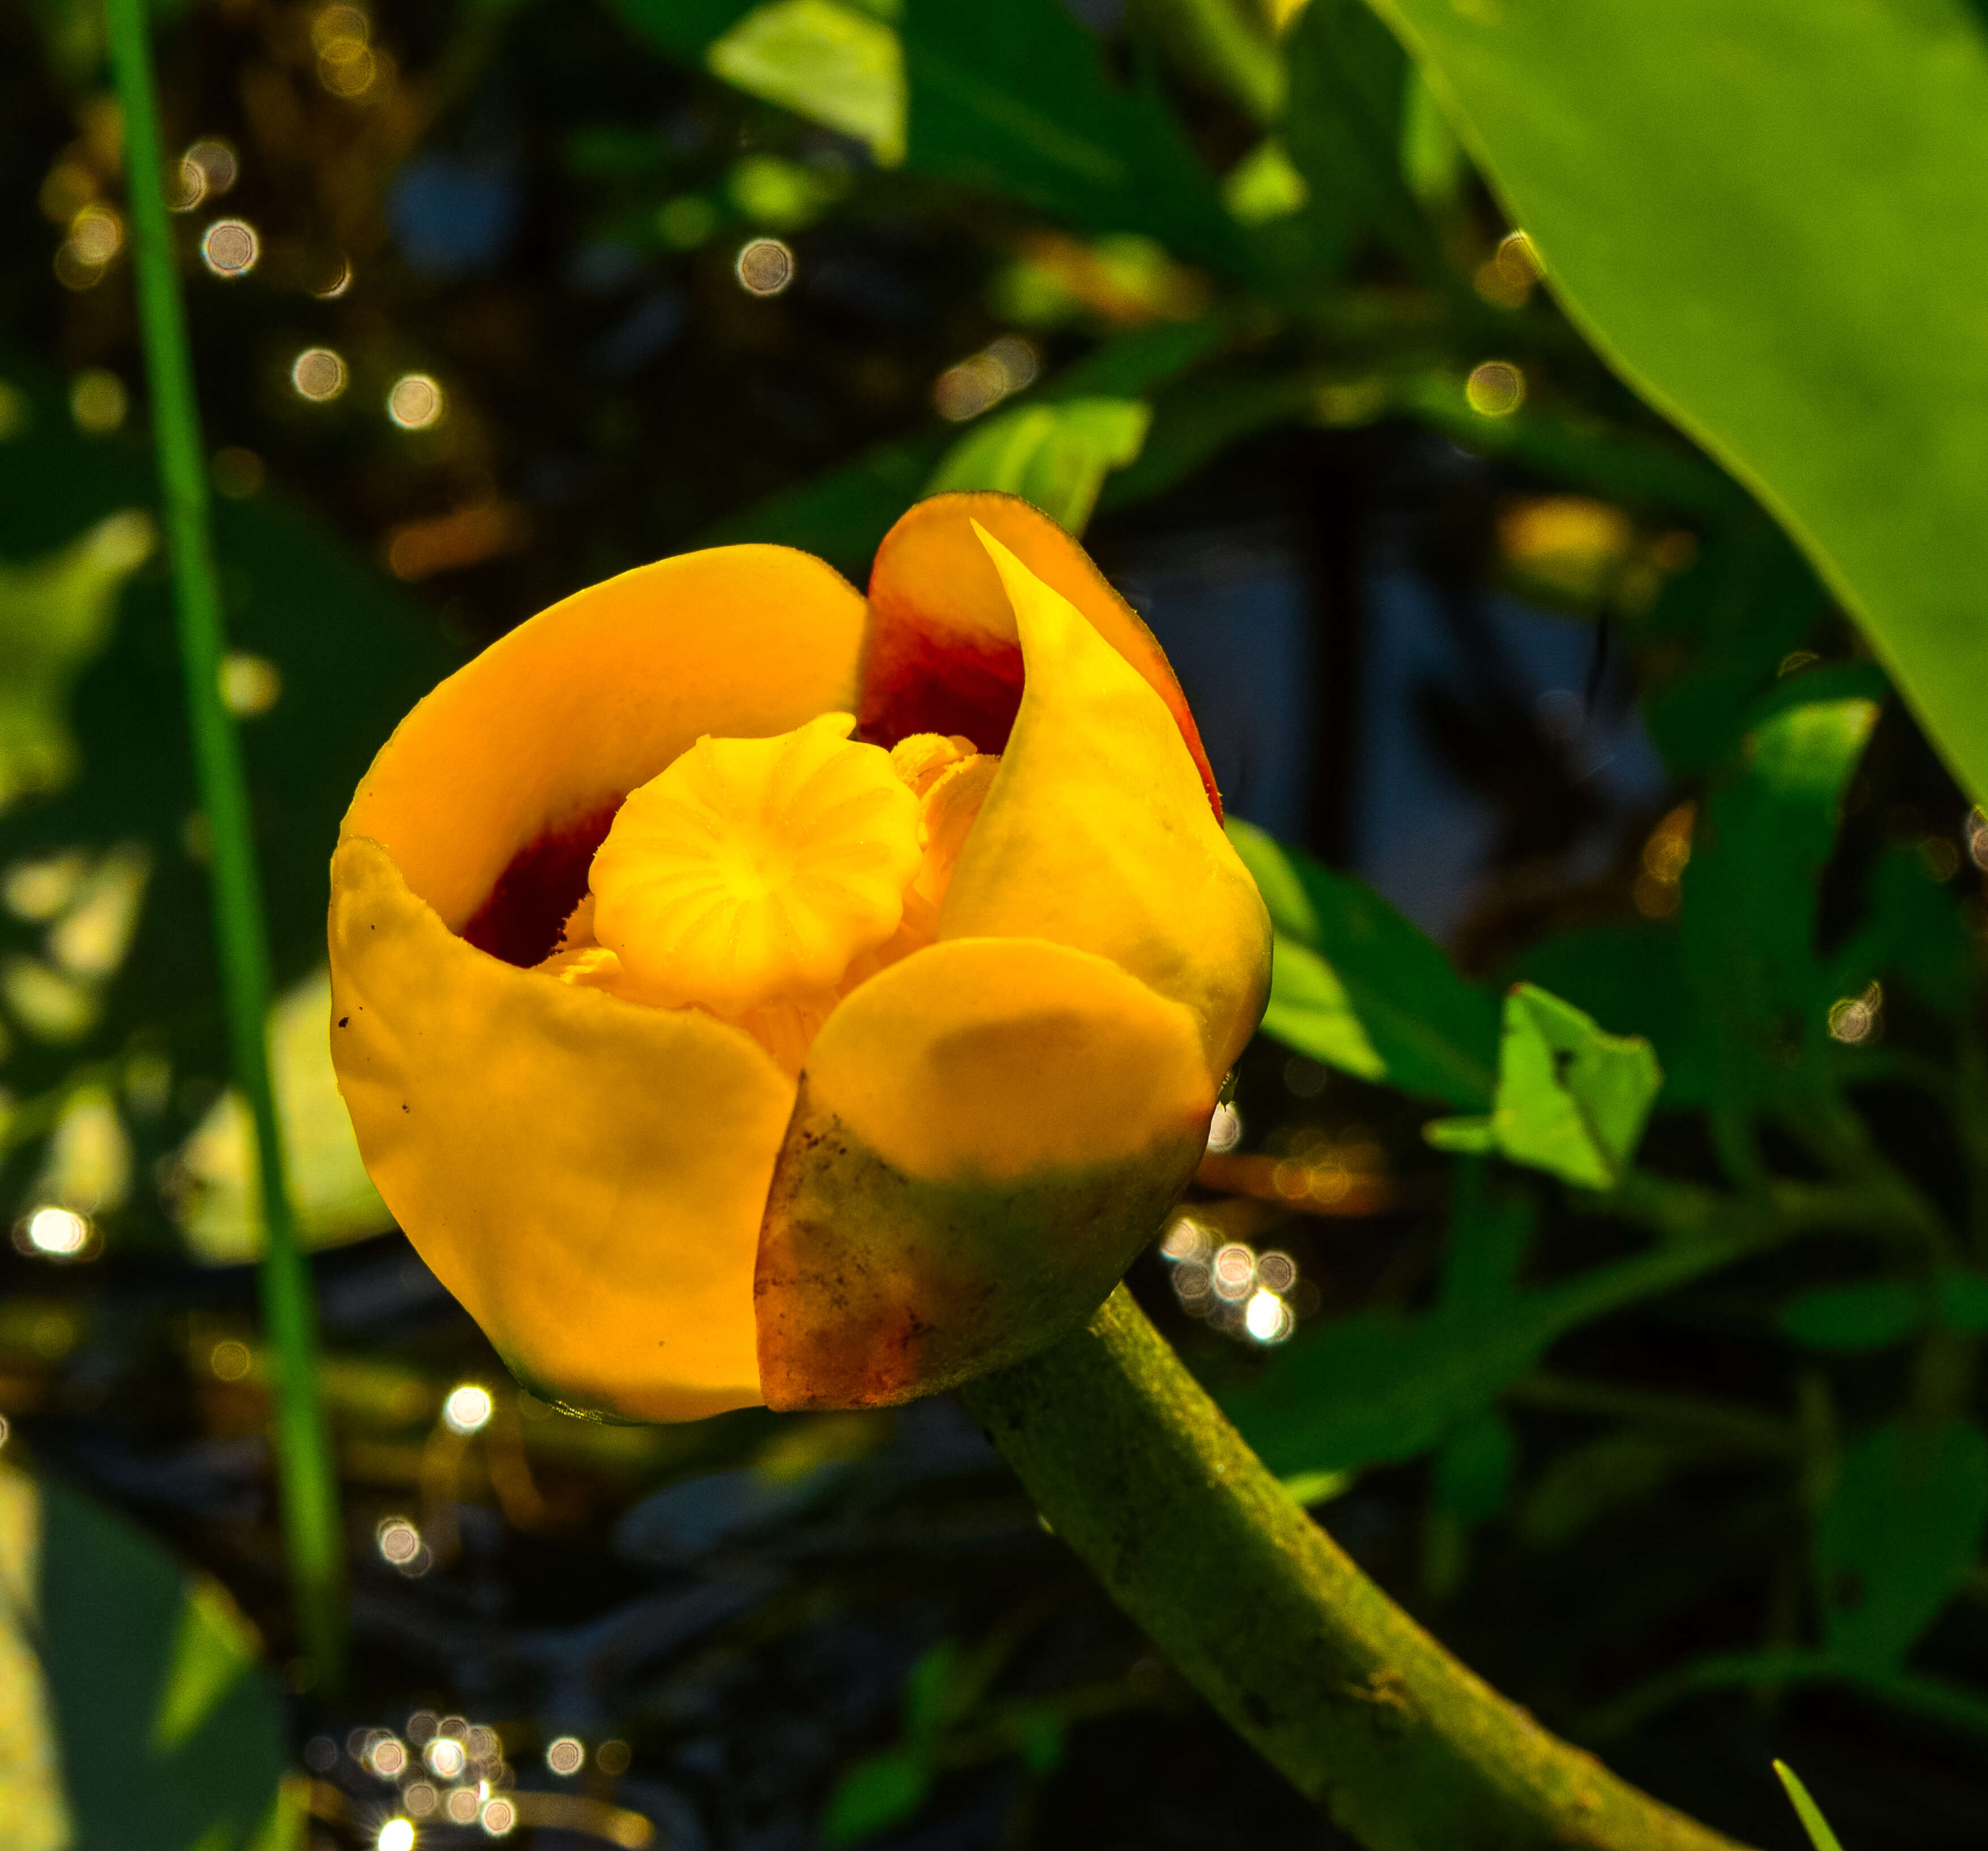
(756, 872)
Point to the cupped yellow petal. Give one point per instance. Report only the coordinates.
(987, 1134)
(587, 1175)
(545, 733)
(1095, 832)
(755, 871)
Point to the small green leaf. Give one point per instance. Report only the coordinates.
(1807, 1810)
(1872, 1316)
(1264, 185)
(1571, 1100)
(1354, 985)
(1899, 1534)
(932, 1693)
(1055, 454)
(55, 617)
(878, 1793)
(1042, 1740)
(836, 64)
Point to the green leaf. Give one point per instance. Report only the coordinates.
(1628, 975)
(1473, 1468)
(170, 1737)
(1354, 985)
(1962, 1299)
(1758, 211)
(1264, 185)
(1015, 99)
(56, 617)
(932, 1691)
(212, 1647)
(1915, 930)
(1807, 1810)
(1714, 643)
(1747, 928)
(836, 64)
(1055, 455)
(1383, 1387)
(682, 28)
(1872, 1316)
(1343, 126)
(1581, 1484)
(878, 1793)
(217, 1197)
(1898, 1534)
(1570, 1099)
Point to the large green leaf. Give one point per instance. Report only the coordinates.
(1767, 214)
(1354, 985)
(134, 1677)
(1898, 1536)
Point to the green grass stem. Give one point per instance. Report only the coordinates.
(307, 1484)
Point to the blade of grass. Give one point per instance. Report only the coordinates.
(1807, 1810)
(308, 1486)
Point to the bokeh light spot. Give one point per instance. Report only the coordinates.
(98, 401)
(230, 1361)
(229, 247)
(468, 1408)
(415, 401)
(765, 266)
(319, 374)
(1495, 389)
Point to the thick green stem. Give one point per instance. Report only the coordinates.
(1137, 1471)
(309, 1487)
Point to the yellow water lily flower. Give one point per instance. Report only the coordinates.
(744, 992)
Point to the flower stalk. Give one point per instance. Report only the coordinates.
(1135, 1468)
(307, 1484)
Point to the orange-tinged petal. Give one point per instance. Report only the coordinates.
(987, 1134)
(585, 1175)
(943, 654)
(503, 780)
(1095, 833)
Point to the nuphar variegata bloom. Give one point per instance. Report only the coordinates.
(744, 991)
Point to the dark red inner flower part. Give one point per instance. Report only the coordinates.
(521, 921)
(914, 682)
